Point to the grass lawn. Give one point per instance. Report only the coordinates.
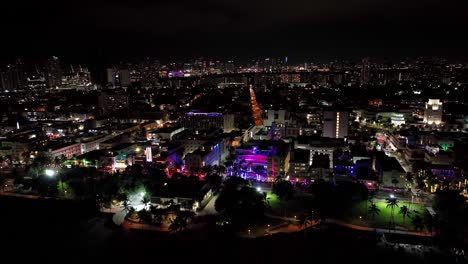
(382, 219)
(289, 208)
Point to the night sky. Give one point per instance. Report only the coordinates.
(238, 28)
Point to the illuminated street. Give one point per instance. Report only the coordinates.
(256, 111)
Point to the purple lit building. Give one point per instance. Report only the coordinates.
(261, 160)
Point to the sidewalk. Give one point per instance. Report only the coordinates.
(380, 230)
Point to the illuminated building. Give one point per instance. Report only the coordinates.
(110, 102)
(53, 72)
(208, 155)
(149, 70)
(164, 133)
(262, 160)
(319, 146)
(67, 150)
(299, 163)
(149, 154)
(124, 78)
(207, 121)
(433, 112)
(12, 76)
(335, 124)
(274, 116)
(365, 71)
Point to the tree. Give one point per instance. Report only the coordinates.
(409, 177)
(284, 189)
(2, 183)
(207, 170)
(239, 202)
(145, 216)
(180, 223)
(374, 210)
(126, 206)
(429, 221)
(392, 203)
(41, 160)
(370, 198)
(145, 201)
(304, 220)
(404, 211)
(213, 180)
(219, 169)
(451, 217)
(394, 182)
(64, 190)
(417, 222)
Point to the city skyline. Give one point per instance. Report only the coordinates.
(326, 131)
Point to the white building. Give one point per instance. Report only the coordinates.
(433, 112)
(276, 116)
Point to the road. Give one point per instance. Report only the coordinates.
(256, 111)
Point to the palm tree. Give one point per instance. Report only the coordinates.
(220, 169)
(145, 201)
(2, 183)
(126, 205)
(429, 222)
(370, 198)
(208, 169)
(179, 223)
(394, 182)
(374, 210)
(392, 203)
(304, 220)
(404, 211)
(417, 222)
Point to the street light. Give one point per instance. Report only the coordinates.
(259, 189)
(49, 173)
(392, 196)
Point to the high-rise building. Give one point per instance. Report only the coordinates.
(12, 76)
(335, 124)
(53, 72)
(228, 122)
(149, 70)
(433, 112)
(365, 71)
(111, 76)
(124, 77)
(204, 121)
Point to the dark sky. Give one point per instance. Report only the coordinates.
(238, 28)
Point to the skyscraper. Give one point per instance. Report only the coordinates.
(124, 77)
(335, 124)
(12, 76)
(53, 72)
(149, 70)
(365, 71)
(433, 112)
